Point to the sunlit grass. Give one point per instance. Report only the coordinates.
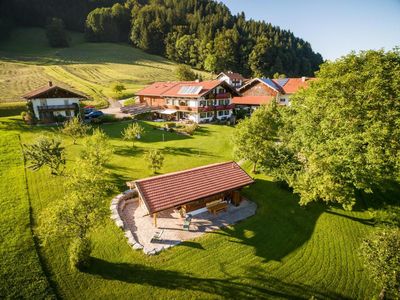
(284, 251)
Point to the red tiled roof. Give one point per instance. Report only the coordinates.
(252, 100)
(171, 89)
(156, 89)
(294, 84)
(170, 190)
(50, 88)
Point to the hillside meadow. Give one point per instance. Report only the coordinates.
(27, 62)
(284, 251)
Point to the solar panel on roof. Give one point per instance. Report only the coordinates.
(190, 90)
(282, 81)
(270, 83)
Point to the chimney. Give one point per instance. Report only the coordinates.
(50, 83)
(303, 79)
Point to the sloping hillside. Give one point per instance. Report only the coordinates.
(27, 62)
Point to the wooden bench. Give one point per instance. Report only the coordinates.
(217, 206)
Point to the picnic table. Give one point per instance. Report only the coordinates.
(217, 206)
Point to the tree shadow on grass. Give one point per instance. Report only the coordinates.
(280, 225)
(369, 222)
(128, 151)
(186, 151)
(229, 287)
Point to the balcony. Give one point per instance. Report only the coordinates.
(222, 96)
(57, 107)
(181, 108)
(215, 107)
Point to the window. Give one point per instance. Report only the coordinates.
(226, 112)
(210, 114)
(227, 102)
(203, 103)
(282, 100)
(203, 115)
(67, 113)
(220, 113)
(66, 102)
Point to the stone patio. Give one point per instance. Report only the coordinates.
(171, 224)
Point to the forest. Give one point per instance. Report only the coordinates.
(200, 33)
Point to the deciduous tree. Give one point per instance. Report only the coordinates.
(255, 136)
(155, 159)
(97, 148)
(381, 256)
(75, 128)
(185, 73)
(46, 151)
(343, 132)
(133, 132)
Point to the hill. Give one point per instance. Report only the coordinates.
(27, 62)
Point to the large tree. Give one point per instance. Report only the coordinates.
(254, 137)
(342, 134)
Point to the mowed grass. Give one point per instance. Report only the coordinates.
(27, 62)
(21, 274)
(284, 251)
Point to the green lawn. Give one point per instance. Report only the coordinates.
(27, 62)
(284, 251)
(21, 272)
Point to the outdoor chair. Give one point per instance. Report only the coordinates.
(157, 236)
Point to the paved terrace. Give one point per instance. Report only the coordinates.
(171, 224)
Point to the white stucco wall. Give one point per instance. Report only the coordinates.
(53, 101)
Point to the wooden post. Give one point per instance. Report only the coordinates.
(155, 219)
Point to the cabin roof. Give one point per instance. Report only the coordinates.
(174, 189)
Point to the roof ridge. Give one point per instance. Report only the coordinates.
(187, 170)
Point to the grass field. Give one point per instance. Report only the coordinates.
(21, 273)
(284, 251)
(27, 62)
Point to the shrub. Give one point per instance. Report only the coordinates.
(79, 253)
(190, 129)
(130, 101)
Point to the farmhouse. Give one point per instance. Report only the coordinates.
(234, 79)
(189, 100)
(209, 188)
(51, 101)
(260, 91)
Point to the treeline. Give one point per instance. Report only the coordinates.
(205, 35)
(200, 33)
(38, 12)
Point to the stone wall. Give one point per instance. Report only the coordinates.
(118, 204)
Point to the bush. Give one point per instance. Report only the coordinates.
(79, 253)
(130, 101)
(185, 73)
(189, 129)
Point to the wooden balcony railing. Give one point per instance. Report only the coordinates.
(57, 107)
